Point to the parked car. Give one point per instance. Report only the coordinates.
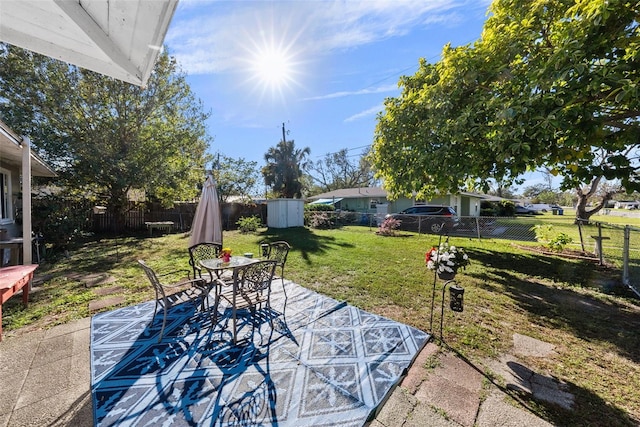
(539, 207)
(521, 210)
(427, 218)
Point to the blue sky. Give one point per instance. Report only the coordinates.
(323, 68)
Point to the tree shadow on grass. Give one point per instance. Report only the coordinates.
(586, 404)
(585, 316)
(105, 252)
(303, 240)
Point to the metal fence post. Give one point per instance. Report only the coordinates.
(599, 243)
(625, 255)
(581, 238)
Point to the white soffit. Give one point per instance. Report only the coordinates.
(118, 38)
(11, 153)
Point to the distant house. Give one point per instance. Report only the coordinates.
(627, 204)
(364, 199)
(374, 200)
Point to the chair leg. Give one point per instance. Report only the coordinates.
(203, 297)
(205, 290)
(216, 304)
(284, 289)
(234, 325)
(155, 311)
(164, 322)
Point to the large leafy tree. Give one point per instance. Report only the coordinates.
(550, 84)
(284, 169)
(337, 170)
(106, 137)
(236, 177)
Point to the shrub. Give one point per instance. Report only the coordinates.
(348, 217)
(248, 224)
(487, 212)
(60, 219)
(389, 226)
(544, 235)
(506, 208)
(501, 208)
(321, 220)
(558, 243)
(319, 208)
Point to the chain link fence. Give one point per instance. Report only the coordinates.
(617, 246)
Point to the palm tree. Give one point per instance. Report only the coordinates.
(285, 165)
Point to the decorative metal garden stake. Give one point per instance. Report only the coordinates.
(456, 298)
(265, 250)
(454, 285)
(456, 292)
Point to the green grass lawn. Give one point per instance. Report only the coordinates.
(508, 290)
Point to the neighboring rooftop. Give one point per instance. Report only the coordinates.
(379, 192)
(351, 193)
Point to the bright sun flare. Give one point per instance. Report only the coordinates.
(273, 68)
(272, 61)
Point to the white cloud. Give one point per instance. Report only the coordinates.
(220, 36)
(367, 91)
(366, 113)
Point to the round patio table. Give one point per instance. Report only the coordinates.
(216, 265)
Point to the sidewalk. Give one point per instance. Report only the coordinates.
(45, 380)
(449, 392)
(44, 377)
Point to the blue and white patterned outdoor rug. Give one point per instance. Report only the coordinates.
(324, 363)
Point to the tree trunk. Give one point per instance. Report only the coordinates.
(118, 203)
(582, 214)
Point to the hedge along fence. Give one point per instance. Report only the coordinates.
(325, 216)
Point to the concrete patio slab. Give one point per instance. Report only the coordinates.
(56, 390)
(519, 377)
(457, 402)
(496, 411)
(524, 345)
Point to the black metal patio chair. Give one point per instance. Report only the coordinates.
(163, 291)
(278, 251)
(251, 288)
(199, 252)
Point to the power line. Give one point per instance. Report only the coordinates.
(412, 66)
(391, 75)
(380, 81)
(344, 149)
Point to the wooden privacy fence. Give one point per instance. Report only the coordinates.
(181, 215)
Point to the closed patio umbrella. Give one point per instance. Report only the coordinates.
(207, 222)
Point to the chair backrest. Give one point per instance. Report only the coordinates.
(200, 251)
(254, 277)
(278, 252)
(153, 279)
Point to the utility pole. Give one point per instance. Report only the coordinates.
(284, 139)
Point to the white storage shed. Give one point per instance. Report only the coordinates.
(285, 213)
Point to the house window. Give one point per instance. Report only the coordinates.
(373, 203)
(5, 195)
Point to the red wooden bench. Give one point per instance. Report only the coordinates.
(12, 279)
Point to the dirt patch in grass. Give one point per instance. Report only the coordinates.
(565, 253)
